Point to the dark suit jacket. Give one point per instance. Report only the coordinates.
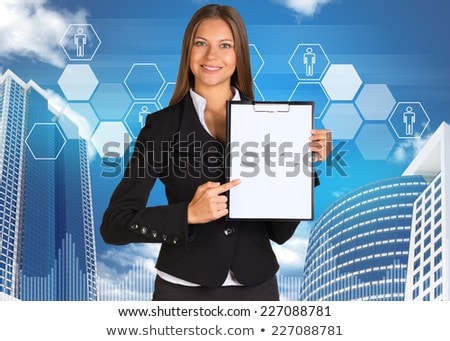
(174, 147)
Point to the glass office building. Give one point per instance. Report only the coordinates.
(358, 248)
(46, 219)
(428, 275)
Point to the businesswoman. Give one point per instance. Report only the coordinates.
(203, 256)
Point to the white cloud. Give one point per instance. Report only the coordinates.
(406, 150)
(291, 255)
(305, 7)
(30, 28)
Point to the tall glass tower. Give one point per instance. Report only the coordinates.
(358, 248)
(46, 219)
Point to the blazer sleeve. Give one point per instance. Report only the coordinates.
(127, 218)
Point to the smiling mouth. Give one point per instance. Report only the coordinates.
(211, 68)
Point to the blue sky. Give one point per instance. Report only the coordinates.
(403, 44)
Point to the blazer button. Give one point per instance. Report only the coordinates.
(175, 240)
(134, 226)
(164, 237)
(144, 229)
(228, 231)
(154, 234)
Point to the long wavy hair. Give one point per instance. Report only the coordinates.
(242, 77)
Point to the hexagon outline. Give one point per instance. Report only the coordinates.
(125, 122)
(324, 69)
(122, 149)
(360, 105)
(325, 93)
(330, 86)
(80, 59)
(258, 91)
(46, 158)
(260, 57)
(144, 98)
(362, 150)
(64, 88)
(166, 85)
(336, 134)
(395, 130)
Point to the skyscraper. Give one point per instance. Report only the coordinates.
(387, 240)
(46, 219)
(428, 275)
(358, 248)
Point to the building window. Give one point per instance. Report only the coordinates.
(438, 291)
(438, 259)
(416, 277)
(426, 284)
(437, 274)
(426, 269)
(416, 292)
(438, 230)
(426, 297)
(437, 244)
(426, 254)
(437, 217)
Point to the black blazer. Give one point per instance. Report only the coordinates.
(174, 147)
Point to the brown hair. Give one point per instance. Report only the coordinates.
(242, 77)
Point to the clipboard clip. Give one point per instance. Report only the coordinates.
(271, 107)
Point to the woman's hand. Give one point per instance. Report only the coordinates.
(208, 203)
(321, 144)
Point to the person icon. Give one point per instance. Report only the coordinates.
(409, 118)
(309, 59)
(80, 40)
(142, 116)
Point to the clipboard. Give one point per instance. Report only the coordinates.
(268, 149)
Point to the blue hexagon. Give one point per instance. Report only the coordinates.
(45, 141)
(375, 102)
(80, 42)
(311, 92)
(166, 94)
(341, 82)
(111, 139)
(375, 141)
(111, 101)
(309, 62)
(144, 81)
(136, 116)
(78, 82)
(409, 120)
(343, 120)
(77, 116)
(256, 60)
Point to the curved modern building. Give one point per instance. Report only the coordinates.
(358, 248)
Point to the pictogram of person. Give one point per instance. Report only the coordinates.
(142, 116)
(309, 59)
(409, 118)
(80, 41)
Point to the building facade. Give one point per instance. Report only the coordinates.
(428, 274)
(358, 248)
(46, 218)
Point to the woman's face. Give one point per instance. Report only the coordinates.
(213, 59)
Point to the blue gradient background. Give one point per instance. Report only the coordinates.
(401, 43)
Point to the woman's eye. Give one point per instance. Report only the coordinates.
(199, 43)
(226, 46)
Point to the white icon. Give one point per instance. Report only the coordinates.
(309, 59)
(409, 118)
(80, 40)
(142, 115)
